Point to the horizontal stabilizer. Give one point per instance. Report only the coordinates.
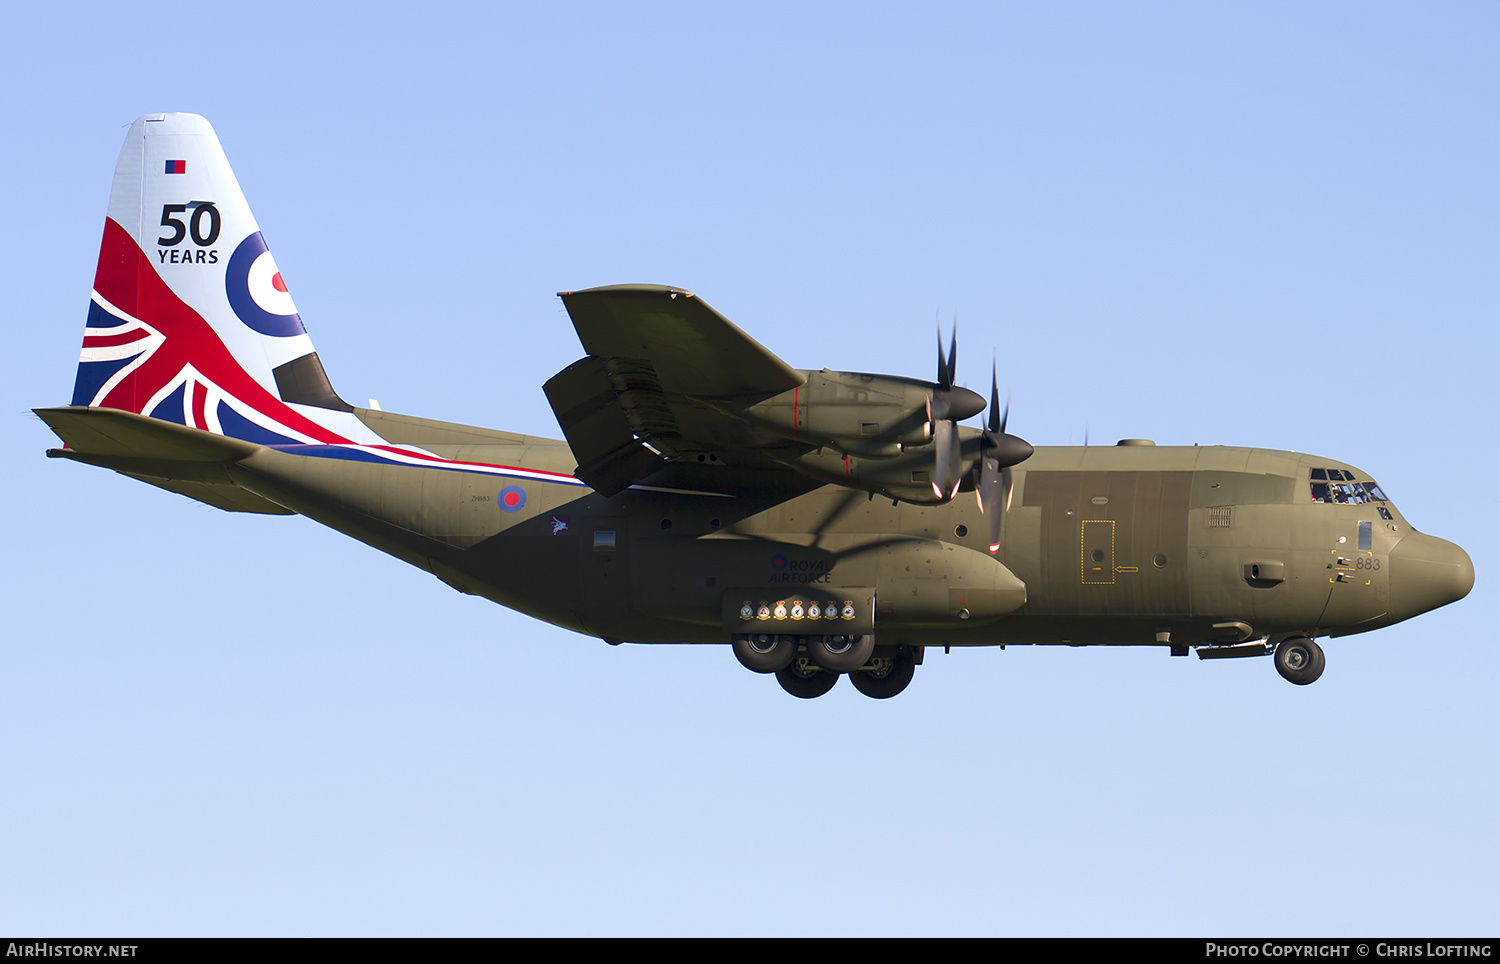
(186, 461)
(693, 349)
(110, 432)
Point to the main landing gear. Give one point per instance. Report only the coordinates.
(885, 676)
(809, 666)
(805, 679)
(764, 652)
(880, 678)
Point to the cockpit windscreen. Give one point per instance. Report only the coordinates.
(1341, 487)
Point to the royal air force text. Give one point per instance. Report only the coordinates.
(804, 571)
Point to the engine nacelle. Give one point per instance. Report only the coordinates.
(871, 416)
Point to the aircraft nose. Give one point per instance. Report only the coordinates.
(1427, 572)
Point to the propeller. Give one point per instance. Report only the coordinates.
(946, 406)
(998, 451)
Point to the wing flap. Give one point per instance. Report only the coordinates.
(610, 457)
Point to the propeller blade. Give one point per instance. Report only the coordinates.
(987, 493)
(988, 490)
(948, 401)
(951, 374)
(946, 407)
(947, 472)
(998, 451)
(947, 368)
(997, 518)
(942, 381)
(996, 424)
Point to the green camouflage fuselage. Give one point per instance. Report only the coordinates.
(1130, 544)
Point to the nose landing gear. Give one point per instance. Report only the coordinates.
(1299, 660)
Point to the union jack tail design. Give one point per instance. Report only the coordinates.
(190, 320)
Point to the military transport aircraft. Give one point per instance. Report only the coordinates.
(707, 492)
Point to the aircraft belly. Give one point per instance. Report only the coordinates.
(341, 496)
(450, 523)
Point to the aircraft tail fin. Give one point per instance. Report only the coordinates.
(190, 320)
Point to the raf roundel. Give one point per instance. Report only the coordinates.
(512, 498)
(257, 293)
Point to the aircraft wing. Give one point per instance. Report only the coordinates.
(663, 379)
(670, 388)
(692, 349)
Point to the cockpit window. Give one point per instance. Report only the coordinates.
(1340, 487)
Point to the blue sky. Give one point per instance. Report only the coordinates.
(1255, 224)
